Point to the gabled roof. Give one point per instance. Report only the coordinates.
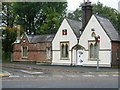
(37, 38)
(76, 26)
(109, 28)
(40, 38)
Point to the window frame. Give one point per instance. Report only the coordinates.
(23, 52)
(64, 57)
(48, 52)
(64, 32)
(94, 58)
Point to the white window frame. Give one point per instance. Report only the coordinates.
(64, 54)
(94, 57)
(48, 52)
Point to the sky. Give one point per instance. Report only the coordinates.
(73, 4)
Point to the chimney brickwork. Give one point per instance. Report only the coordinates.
(87, 13)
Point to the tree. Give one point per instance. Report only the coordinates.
(54, 14)
(26, 13)
(39, 17)
(9, 31)
(76, 15)
(7, 14)
(118, 22)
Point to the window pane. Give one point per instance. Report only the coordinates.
(91, 51)
(25, 51)
(62, 50)
(95, 51)
(66, 51)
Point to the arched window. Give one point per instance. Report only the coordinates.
(24, 51)
(95, 50)
(64, 50)
(91, 51)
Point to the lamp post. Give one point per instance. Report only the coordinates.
(97, 43)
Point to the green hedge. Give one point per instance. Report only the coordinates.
(6, 56)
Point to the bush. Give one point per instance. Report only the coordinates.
(6, 56)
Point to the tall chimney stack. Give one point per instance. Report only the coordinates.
(87, 13)
(18, 32)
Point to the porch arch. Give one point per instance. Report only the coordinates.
(76, 47)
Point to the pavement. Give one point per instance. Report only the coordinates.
(50, 68)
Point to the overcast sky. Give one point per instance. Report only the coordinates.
(73, 4)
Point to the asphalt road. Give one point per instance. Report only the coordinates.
(30, 78)
(82, 82)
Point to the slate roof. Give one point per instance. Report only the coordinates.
(109, 28)
(40, 38)
(37, 38)
(76, 26)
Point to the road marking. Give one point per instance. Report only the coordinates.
(103, 75)
(90, 72)
(72, 76)
(60, 76)
(115, 75)
(28, 76)
(41, 76)
(88, 76)
(31, 72)
(14, 76)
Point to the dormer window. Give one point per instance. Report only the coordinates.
(64, 32)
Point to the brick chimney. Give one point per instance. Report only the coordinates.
(18, 32)
(87, 13)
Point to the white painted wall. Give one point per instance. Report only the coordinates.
(105, 44)
(63, 38)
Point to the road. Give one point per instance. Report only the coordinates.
(65, 78)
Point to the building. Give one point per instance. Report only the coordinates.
(65, 39)
(109, 46)
(74, 43)
(34, 48)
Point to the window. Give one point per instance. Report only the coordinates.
(64, 32)
(64, 50)
(118, 53)
(93, 50)
(48, 53)
(24, 51)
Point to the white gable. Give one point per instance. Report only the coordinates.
(86, 36)
(71, 37)
(105, 43)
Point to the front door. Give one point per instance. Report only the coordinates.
(80, 57)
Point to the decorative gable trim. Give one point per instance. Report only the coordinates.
(25, 36)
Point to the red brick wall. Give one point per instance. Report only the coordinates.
(115, 51)
(36, 52)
